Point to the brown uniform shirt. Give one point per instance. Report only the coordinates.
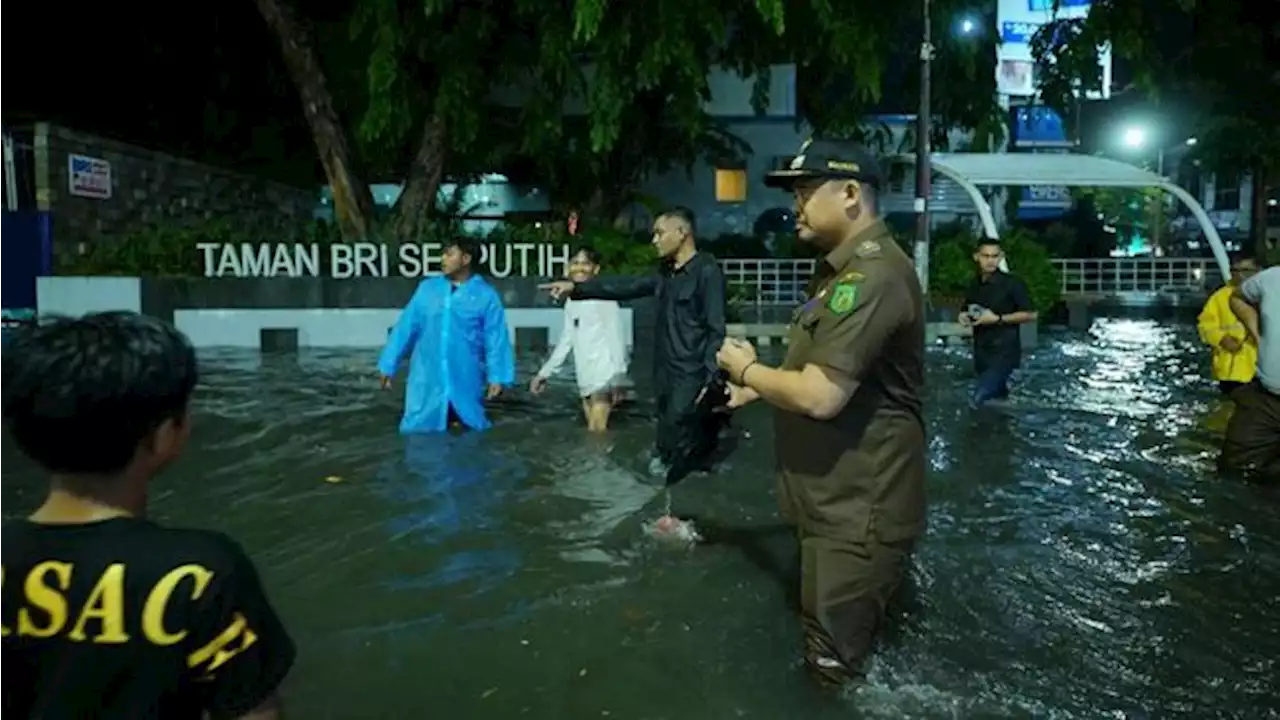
(860, 475)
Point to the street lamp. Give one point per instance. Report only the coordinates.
(923, 165)
(1134, 138)
(965, 26)
(1137, 137)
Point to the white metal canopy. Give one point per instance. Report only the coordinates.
(974, 170)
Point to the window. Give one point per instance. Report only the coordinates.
(1226, 192)
(731, 185)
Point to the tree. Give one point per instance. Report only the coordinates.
(1218, 61)
(601, 95)
(593, 101)
(872, 64)
(1133, 212)
(352, 204)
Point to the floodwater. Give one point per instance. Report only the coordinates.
(1082, 561)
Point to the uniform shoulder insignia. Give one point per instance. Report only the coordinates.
(853, 276)
(867, 248)
(844, 296)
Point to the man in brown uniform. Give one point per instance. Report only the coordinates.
(849, 428)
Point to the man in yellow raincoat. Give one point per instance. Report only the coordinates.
(1235, 356)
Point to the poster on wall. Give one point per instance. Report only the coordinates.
(1016, 78)
(89, 177)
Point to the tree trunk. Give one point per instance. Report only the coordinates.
(422, 186)
(352, 203)
(1258, 213)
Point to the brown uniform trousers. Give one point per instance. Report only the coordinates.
(854, 484)
(1252, 444)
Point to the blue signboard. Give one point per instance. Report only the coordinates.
(1038, 128)
(27, 255)
(1017, 32)
(1043, 5)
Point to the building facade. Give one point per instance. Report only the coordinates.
(731, 198)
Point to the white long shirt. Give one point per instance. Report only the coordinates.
(593, 332)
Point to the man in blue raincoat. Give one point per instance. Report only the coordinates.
(455, 330)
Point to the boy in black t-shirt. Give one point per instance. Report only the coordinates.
(106, 614)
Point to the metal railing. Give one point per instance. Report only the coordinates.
(782, 281)
(1114, 276)
(769, 282)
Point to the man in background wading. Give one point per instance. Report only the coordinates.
(995, 305)
(689, 329)
(849, 427)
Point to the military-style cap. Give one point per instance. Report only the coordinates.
(828, 160)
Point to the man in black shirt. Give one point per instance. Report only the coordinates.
(106, 614)
(689, 330)
(995, 305)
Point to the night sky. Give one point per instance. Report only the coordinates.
(201, 80)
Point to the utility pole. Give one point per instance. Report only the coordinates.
(923, 167)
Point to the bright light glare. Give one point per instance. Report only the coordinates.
(967, 26)
(1191, 141)
(1135, 137)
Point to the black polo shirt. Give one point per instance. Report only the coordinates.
(1002, 294)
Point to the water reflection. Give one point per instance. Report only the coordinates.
(1082, 561)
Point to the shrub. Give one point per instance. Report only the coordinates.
(169, 249)
(951, 267)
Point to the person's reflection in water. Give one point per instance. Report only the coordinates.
(446, 486)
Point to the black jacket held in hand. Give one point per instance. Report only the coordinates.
(691, 308)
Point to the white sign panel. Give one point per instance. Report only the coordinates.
(1018, 21)
(366, 259)
(1016, 78)
(89, 177)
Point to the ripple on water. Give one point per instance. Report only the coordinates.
(1081, 561)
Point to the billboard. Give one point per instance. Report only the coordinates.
(1036, 128)
(1018, 21)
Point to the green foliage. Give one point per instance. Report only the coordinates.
(952, 269)
(1225, 84)
(606, 93)
(169, 249)
(844, 53)
(1134, 212)
(621, 253)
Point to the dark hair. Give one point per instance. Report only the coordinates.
(467, 246)
(593, 255)
(684, 214)
(987, 242)
(81, 394)
(1239, 257)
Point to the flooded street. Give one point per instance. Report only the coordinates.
(1081, 562)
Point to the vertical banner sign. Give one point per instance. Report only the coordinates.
(1018, 21)
(1036, 128)
(89, 177)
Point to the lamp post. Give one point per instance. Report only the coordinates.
(923, 166)
(1135, 138)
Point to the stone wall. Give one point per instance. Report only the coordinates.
(149, 187)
